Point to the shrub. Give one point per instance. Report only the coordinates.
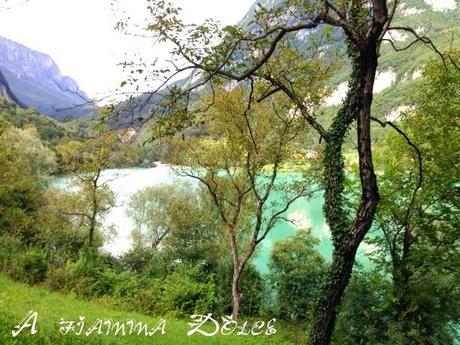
(34, 262)
(182, 294)
(90, 276)
(57, 278)
(126, 285)
(296, 270)
(137, 259)
(10, 247)
(27, 264)
(147, 299)
(252, 288)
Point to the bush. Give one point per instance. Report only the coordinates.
(252, 288)
(126, 285)
(34, 262)
(56, 234)
(361, 318)
(296, 271)
(90, 276)
(57, 279)
(10, 247)
(137, 259)
(147, 299)
(182, 294)
(27, 264)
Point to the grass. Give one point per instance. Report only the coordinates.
(17, 300)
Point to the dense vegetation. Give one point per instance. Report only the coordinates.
(194, 242)
(179, 263)
(51, 307)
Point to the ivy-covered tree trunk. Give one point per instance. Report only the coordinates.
(347, 234)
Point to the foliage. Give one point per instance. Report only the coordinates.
(253, 288)
(175, 217)
(27, 264)
(91, 197)
(184, 294)
(56, 234)
(50, 131)
(90, 276)
(264, 54)
(296, 268)
(362, 317)
(24, 166)
(414, 244)
(189, 234)
(138, 258)
(419, 214)
(180, 263)
(237, 165)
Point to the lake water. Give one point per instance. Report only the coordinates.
(302, 214)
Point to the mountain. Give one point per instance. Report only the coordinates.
(5, 90)
(32, 79)
(398, 70)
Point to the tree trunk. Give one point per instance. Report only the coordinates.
(401, 277)
(331, 293)
(236, 295)
(347, 235)
(92, 227)
(92, 220)
(94, 207)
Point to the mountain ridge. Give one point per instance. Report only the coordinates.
(32, 79)
(6, 92)
(397, 71)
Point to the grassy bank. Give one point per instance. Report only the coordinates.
(17, 300)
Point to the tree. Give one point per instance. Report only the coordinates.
(148, 209)
(257, 53)
(296, 269)
(181, 222)
(85, 162)
(238, 164)
(25, 165)
(420, 211)
(177, 220)
(362, 316)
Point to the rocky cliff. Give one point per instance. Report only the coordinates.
(33, 79)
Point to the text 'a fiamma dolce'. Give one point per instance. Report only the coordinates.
(201, 325)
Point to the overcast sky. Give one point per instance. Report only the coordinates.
(79, 35)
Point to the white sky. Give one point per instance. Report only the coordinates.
(79, 35)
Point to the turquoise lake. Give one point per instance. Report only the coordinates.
(304, 213)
